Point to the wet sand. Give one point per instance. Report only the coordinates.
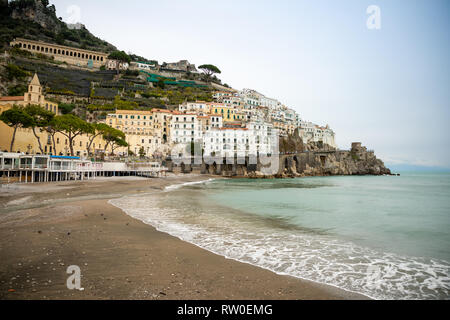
(44, 228)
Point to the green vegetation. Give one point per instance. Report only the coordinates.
(41, 119)
(118, 104)
(15, 72)
(115, 138)
(179, 95)
(120, 55)
(56, 31)
(66, 108)
(16, 118)
(66, 92)
(142, 152)
(18, 90)
(70, 126)
(209, 69)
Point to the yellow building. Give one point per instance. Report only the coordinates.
(149, 130)
(26, 142)
(33, 96)
(228, 113)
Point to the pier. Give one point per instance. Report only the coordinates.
(23, 168)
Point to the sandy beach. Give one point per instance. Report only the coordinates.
(44, 228)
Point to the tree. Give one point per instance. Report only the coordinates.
(52, 132)
(120, 56)
(16, 117)
(113, 137)
(70, 126)
(209, 69)
(116, 143)
(142, 152)
(41, 119)
(161, 84)
(66, 108)
(97, 129)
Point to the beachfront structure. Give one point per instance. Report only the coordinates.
(22, 168)
(69, 55)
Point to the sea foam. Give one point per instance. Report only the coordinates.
(303, 254)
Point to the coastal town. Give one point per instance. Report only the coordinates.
(234, 124)
(159, 155)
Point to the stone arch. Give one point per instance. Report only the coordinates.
(323, 160)
(286, 163)
(296, 163)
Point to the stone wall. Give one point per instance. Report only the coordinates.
(326, 162)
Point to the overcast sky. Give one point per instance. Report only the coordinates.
(388, 88)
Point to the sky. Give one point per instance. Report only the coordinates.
(388, 88)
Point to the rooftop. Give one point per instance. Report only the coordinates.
(16, 98)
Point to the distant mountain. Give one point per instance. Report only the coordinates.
(37, 20)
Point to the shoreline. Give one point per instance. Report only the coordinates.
(121, 257)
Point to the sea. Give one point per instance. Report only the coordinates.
(386, 237)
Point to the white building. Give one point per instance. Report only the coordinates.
(256, 138)
(112, 64)
(269, 102)
(185, 128)
(199, 107)
(147, 66)
(310, 132)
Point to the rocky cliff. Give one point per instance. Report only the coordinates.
(318, 160)
(37, 20)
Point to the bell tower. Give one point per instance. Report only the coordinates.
(34, 94)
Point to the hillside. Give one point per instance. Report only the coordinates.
(37, 20)
(87, 93)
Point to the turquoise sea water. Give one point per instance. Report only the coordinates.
(386, 237)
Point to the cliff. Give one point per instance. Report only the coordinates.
(37, 20)
(319, 160)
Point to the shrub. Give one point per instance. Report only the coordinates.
(18, 90)
(66, 107)
(15, 72)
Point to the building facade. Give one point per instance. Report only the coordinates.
(69, 55)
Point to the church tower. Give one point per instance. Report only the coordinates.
(34, 94)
